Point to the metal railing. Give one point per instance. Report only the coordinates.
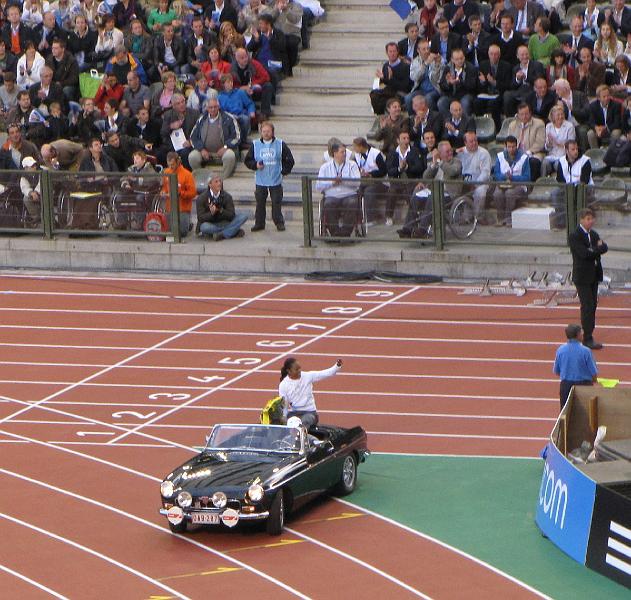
(444, 213)
(49, 203)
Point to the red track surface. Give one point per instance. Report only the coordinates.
(106, 387)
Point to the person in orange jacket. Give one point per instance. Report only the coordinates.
(186, 191)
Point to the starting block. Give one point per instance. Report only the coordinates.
(504, 288)
(556, 297)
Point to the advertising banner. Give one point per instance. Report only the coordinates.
(609, 550)
(565, 503)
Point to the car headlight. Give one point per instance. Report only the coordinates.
(219, 500)
(184, 499)
(167, 489)
(256, 492)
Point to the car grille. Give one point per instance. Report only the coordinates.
(206, 502)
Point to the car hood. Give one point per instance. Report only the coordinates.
(212, 471)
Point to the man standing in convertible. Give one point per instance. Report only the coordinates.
(296, 387)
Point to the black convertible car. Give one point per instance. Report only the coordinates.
(261, 472)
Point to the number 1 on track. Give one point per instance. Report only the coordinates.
(297, 326)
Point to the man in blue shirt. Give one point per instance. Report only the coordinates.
(574, 363)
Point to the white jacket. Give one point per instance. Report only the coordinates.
(26, 81)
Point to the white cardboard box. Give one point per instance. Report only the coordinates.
(532, 218)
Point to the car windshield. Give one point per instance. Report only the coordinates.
(254, 438)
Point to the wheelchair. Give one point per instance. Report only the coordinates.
(13, 213)
(459, 214)
(339, 222)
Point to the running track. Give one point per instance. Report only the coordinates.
(108, 383)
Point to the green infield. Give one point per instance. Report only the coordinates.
(483, 506)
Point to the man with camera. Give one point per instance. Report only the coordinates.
(216, 216)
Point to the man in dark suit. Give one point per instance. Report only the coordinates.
(458, 13)
(46, 90)
(219, 12)
(476, 43)
(574, 41)
(145, 128)
(509, 40)
(423, 119)
(576, 107)
(197, 45)
(605, 118)
(402, 163)
(525, 13)
(408, 50)
(619, 17)
(456, 125)
(524, 75)
(458, 82)
(587, 271)
(444, 42)
(47, 31)
(162, 61)
(395, 75)
(14, 33)
(494, 80)
(268, 44)
(541, 99)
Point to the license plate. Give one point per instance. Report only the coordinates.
(203, 518)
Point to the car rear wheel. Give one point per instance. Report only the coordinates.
(348, 479)
(276, 519)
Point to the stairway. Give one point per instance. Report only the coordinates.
(328, 94)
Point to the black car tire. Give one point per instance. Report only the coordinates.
(276, 520)
(179, 528)
(348, 477)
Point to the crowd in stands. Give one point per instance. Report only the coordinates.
(554, 86)
(134, 85)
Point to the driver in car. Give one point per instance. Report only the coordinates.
(296, 387)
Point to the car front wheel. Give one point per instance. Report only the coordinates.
(348, 478)
(179, 528)
(276, 519)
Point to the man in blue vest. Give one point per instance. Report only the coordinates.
(270, 159)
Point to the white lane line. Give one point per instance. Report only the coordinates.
(331, 411)
(206, 427)
(458, 436)
(446, 546)
(439, 455)
(360, 562)
(32, 582)
(99, 555)
(382, 357)
(120, 278)
(244, 373)
(358, 300)
(142, 352)
(552, 343)
(267, 363)
(134, 428)
(404, 395)
(267, 317)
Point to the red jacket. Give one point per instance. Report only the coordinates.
(103, 95)
(214, 80)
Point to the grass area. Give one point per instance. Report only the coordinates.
(484, 506)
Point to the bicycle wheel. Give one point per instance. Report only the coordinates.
(462, 220)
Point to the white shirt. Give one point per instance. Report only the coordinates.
(331, 170)
(298, 393)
